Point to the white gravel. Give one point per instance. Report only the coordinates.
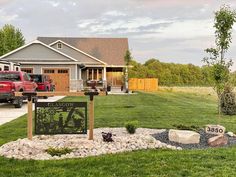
(82, 147)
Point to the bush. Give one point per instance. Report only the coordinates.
(228, 102)
(131, 126)
(186, 127)
(58, 151)
(107, 137)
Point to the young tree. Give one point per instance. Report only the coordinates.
(10, 39)
(127, 59)
(224, 20)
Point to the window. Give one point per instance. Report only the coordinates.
(0, 69)
(17, 69)
(59, 45)
(26, 77)
(49, 71)
(94, 74)
(6, 68)
(27, 70)
(62, 71)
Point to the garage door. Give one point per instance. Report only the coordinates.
(60, 77)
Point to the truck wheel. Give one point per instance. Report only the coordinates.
(18, 102)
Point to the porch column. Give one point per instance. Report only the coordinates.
(80, 74)
(104, 77)
(104, 74)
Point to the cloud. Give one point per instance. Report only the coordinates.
(7, 18)
(114, 13)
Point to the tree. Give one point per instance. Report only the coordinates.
(224, 20)
(10, 39)
(127, 59)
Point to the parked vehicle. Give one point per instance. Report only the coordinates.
(43, 81)
(15, 81)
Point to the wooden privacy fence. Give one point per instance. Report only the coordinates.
(146, 84)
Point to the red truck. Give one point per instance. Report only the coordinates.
(15, 81)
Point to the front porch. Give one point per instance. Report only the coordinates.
(101, 77)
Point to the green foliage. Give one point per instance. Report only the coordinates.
(58, 151)
(224, 20)
(186, 127)
(10, 39)
(171, 74)
(131, 126)
(228, 101)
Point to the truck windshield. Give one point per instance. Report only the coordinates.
(10, 76)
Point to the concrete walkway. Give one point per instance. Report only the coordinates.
(8, 112)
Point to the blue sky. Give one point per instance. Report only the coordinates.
(169, 30)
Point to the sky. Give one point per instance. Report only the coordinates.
(169, 30)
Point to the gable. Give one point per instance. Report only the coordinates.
(36, 52)
(80, 57)
(108, 50)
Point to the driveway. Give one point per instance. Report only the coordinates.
(8, 112)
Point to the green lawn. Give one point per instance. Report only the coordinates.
(156, 110)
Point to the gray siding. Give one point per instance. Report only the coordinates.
(75, 54)
(37, 69)
(36, 52)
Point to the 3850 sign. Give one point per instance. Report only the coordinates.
(215, 129)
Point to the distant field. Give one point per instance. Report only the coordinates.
(195, 90)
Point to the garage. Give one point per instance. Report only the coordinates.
(60, 78)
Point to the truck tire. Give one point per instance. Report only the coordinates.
(18, 102)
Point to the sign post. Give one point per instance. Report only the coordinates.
(91, 112)
(30, 113)
(30, 95)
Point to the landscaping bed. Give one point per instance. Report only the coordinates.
(203, 144)
(74, 146)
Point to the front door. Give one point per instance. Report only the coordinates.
(114, 76)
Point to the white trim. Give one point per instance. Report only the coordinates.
(66, 63)
(77, 50)
(76, 71)
(37, 42)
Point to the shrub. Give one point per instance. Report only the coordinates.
(131, 126)
(107, 137)
(186, 127)
(228, 102)
(58, 151)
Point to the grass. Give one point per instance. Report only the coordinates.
(154, 110)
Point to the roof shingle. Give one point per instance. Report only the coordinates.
(108, 50)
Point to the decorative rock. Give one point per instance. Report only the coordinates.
(215, 129)
(216, 141)
(184, 136)
(231, 134)
(81, 146)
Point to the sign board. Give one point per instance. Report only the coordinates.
(60, 118)
(215, 129)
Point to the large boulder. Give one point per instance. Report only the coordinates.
(216, 141)
(184, 136)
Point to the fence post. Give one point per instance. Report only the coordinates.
(91, 118)
(29, 121)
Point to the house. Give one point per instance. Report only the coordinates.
(9, 66)
(74, 63)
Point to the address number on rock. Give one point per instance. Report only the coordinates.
(216, 130)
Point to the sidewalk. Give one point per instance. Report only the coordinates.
(8, 112)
